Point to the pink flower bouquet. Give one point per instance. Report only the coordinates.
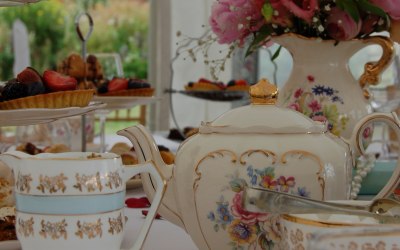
(236, 21)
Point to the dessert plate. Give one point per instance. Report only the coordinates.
(125, 102)
(10, 245)
(218, 96)
(23, 117)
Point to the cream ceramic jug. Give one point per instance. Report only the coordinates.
(75, 200)
(260, 145)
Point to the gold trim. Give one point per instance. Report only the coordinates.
(364, 233)
(211, 155)
(58, 215)
(71, 195)
(325, 224)
(267, 154)
(372, 70)
(314, 157)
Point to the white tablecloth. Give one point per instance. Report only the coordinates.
(163, 234)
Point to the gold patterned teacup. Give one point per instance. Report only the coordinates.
(75, 200)
(358, 238)
(298, 231)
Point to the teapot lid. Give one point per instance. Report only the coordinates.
(263, 116)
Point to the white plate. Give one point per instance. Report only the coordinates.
(10, 245)
(23, 117)
(125, 102)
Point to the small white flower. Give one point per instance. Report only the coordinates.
(276, 13)
(321, 28)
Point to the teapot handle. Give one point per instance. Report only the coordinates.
(372, 70)
(147, 167)
(393, 121)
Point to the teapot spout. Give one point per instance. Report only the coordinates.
(147, 150)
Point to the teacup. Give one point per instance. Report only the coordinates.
(367, 237)
(75, 200)
(297, 230)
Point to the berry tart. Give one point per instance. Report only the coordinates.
(119, 86)
(53, 90)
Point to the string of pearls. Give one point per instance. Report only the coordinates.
(364, 166)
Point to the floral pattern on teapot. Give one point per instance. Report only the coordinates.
(246, 228)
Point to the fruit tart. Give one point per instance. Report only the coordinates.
(53, 90)
(119, 86)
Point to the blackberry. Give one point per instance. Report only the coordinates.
(36, 88)
(103, 88)
(231, 83)
(14, 90)
(137, 84)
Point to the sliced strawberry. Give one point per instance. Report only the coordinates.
(55, 81)
(241, 82)
(29, 75)
(205, 80)
(118, 84)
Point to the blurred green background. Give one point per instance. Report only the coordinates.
(120, 26)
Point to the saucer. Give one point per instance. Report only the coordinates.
(10, 245)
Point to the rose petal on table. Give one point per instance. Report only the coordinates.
(145, 212)
(137, 202)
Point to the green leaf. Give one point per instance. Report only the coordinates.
(366, 6)
(350, 7)
(276, 54)
(259, 38)
(267, 11)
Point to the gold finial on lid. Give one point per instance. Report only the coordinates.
(263, 93)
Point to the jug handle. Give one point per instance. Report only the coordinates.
(373, 70)
(151, 168)
(392, 120)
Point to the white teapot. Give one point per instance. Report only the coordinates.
(259, 145)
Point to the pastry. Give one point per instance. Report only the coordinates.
(7, 224)
(56, 91)
(57, 148)
(238, 85)
(76, 67)
(125, 87)
(6, 193)
(29, 148)
(204, 85)
(166, 154)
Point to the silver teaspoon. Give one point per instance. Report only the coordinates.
(269, 201)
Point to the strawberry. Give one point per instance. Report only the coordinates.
(241, 82)
(204, 80)
(29, 75)
(118, 84)
(55, 81)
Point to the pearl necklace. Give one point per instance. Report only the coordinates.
(364, 166)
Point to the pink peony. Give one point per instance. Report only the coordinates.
(304, 9)
(281, 15)
(244, 216)
(392, 7)
(234, 20)
(341, 26)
